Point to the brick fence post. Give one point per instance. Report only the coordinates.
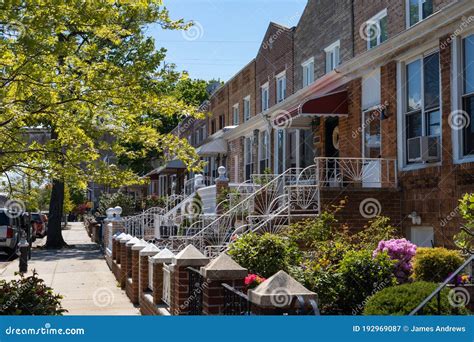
(134, 283)
(280, 294)
(158, 261)
(147, 252)
(220, 270)
(122, 273)
(115, 260)
(188, 257)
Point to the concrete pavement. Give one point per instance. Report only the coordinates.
(80, 274)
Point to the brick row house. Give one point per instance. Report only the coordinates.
(377, 96)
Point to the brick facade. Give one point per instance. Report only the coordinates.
(323, 22)
(275, 56)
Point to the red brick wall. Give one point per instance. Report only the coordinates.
(433, 192)
(242, 85)
(219, 106)
(366, 9)
(350, 143)
(356, 213)
(322, 23)
(275, 55)
(236, 147)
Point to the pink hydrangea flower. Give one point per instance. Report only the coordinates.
(402, 251)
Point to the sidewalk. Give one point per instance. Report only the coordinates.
(80, 274)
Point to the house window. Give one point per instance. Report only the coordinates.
(468, 95)
(247, 108)
(308, 72)
(265, 97)
(422, 107)
(418, 10)
(235, 114)
(213, 126)
(248, 158)
(281, 87)
(332, 56)
(264, 151)
(221, 122)
(377, 30)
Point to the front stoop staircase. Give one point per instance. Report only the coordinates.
(266, 203)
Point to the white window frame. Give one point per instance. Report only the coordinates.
(420, 13)
(457, 93)
(375, 20)
(247, 112)
(281, 86)
(401, 111)
(265, 89)
(235, 114)
(262, 153)
(333, 57)
(308, 72)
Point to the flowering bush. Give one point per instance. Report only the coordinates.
(463, 279)
(253, 280)
(29, 296)
(402, 252)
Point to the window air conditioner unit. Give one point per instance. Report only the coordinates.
(424, 149)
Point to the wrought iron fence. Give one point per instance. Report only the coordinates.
(437, 293)
(166, 296)
(236, 303)
(195, 286)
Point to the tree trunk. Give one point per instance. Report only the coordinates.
(55, 237)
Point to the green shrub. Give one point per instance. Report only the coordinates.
(308, 233)
(264, 254)
(29, 296)
(377, 230)
(402, 299)
(361, 276)
(435, 264)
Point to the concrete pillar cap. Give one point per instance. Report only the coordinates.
(139, 245)
(165, 256)
(125, 238)
(149, 250)
(132, 241)
(118, 235)
(223, 268)
(279, 291)
(190, 256)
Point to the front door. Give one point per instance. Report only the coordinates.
(332, 150)
(372, 150)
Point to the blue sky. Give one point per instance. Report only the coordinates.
(227, 35)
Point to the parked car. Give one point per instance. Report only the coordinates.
(39, 222)
(10, 232)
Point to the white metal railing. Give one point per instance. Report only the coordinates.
(189, 185)
(267, 202)
(166, 297)
(366, 172)
(261, 201)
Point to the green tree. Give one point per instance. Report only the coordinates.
(85, 72)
